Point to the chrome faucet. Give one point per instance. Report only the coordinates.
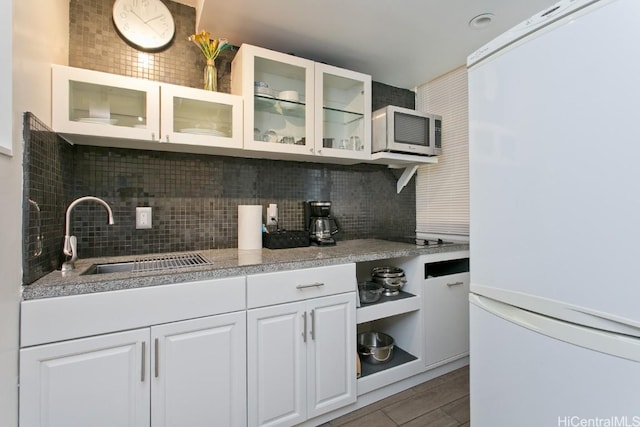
(70, 242)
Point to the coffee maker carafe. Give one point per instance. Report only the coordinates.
(322, 226)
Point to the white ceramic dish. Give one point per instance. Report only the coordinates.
(289, 95)
(264, 91)
(98, 120)
(201, 131)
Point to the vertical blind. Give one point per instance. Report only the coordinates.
(442, 189)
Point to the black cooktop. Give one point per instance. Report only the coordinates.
(417, 241)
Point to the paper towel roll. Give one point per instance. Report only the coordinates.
(249, 256)
(249, 226)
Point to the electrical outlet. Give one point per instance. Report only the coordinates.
(272, 214)
(143, 217)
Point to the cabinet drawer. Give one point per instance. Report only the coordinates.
(446, 318)
(286, 286)
(62, 318)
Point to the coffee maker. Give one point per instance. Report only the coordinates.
(321, 225)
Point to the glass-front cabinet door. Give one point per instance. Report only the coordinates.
(342, 113)
(89, 102)
(278, 94)
(199, 117)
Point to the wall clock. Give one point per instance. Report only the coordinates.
(147, 24)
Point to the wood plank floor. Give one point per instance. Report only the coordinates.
(440, 402)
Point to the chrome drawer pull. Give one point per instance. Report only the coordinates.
(144, 363)
(455, 284)
(313, 324)
(304, 332)
(157, 360)
(311, 285)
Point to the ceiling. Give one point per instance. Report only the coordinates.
(402, 43)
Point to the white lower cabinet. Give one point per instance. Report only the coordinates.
(446, 315)
(270, 349)
(199, 372)
(98, 381)
(301, 359)
(184, 373)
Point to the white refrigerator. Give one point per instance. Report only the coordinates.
(554, 159)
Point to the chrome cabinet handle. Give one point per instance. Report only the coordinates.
(304, 331)
(311, 285)
(455, 284)
(157, 359)
(144, 362)
(313, 324)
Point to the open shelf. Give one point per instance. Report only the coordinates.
(404, 302)
(272, 105)
(399, 160)
(403, 365)
(335, 115)
(384, 298)
(400, 357)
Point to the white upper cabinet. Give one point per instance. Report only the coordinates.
(278, 100)
(280, 107)
(99, 104)
(342, 113)
(296, 106)
(199, 117)
(93, 103)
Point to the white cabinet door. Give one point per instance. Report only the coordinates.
(278, 114)
(98, 381)
(199, 372)
(102, 104)
(446, 317)
(331, 353)
(342, 113)
(200, 117)
(301, 359)
(276, 365)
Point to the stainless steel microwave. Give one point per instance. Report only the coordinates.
(401, 130)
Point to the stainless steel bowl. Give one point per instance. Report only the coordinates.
(391, 285)
(375, 347)
(387, 272)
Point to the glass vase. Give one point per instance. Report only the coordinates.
(210, 76)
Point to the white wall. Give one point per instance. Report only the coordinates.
(32, 36)
(10, 190)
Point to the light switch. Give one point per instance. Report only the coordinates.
(143, 217)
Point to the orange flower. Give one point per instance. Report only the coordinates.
(210, 48)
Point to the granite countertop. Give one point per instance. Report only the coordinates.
(225, 263)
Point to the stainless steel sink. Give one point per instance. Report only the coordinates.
(119, 267)
(159, 263)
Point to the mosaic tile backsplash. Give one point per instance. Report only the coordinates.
(194, 198)
(48, 183)
(95, 44)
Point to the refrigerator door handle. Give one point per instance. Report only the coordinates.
(618, 345)
(562, 311)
